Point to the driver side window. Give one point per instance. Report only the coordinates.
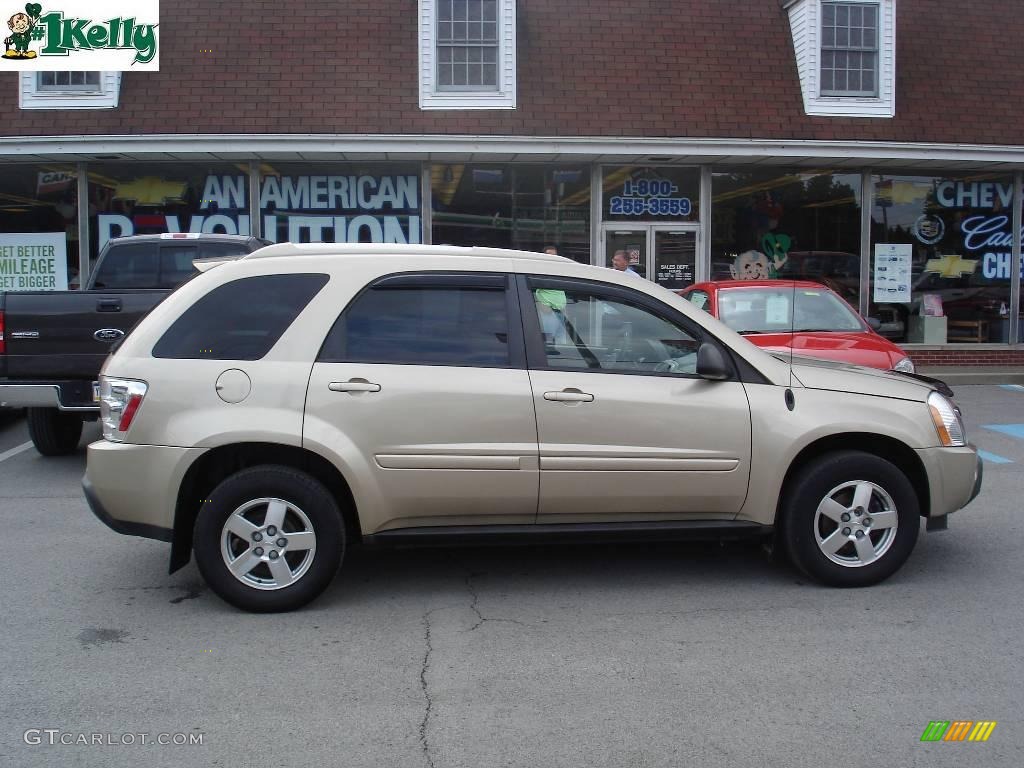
(584, 329)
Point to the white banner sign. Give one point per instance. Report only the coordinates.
(33, 261)
(892, 272)
(81, 36)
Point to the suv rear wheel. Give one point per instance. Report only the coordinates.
(53, 432)
(269, 538)
(850, 519)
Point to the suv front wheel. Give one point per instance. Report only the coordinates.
(850, 519)
(269, 538)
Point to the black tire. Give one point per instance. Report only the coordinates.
(53, 432)
(297, 489)
(813, 484)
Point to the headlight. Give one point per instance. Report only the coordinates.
(905, 365)
(120, 400)
(947, 421)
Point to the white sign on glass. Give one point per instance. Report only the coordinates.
(892, 272)
(33, 261)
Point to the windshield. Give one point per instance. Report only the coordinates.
(770, 310)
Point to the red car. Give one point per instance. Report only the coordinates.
(822, 325)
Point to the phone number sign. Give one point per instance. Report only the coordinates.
(650, 197)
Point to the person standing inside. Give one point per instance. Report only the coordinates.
(621, 262)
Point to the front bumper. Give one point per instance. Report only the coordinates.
(133, 489)
(954, 477)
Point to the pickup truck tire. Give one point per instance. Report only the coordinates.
(269, 538)
(849, 519)
(53, 432)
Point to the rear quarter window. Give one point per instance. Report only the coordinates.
(240, 320)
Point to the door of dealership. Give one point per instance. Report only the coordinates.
(666, 254)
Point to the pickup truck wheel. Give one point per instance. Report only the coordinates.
(269, 538)
(850, 519)
(53, 432)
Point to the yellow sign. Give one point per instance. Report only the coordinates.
(951, 266)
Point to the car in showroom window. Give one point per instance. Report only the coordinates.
(397, 395)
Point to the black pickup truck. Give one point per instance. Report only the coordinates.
(53, 343)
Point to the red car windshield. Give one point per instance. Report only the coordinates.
(771, 310)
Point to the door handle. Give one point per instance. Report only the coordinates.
(569, 396)
(108, 305)
(353, 385)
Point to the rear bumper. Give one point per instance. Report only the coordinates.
(63, 395)
(145, 530)
(133, 489)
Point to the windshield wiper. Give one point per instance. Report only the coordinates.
(816, 330)
(747, 333)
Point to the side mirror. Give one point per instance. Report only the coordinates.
(874, 323)
(711, 363)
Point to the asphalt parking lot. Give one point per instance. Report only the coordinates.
(640, 655)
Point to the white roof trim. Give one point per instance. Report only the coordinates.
(499, 148)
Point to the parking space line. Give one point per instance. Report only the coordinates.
(1013, 430)
(992, 458)
(15, 450)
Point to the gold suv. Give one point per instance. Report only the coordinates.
(278, 408)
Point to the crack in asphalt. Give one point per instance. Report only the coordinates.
(426, 691)
(473, 606)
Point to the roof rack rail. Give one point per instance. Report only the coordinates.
(393, 249)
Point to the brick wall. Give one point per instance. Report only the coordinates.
(686, 68)
(967, 357)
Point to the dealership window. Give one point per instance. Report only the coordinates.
(845, 56)
(341, 202)
(69, 81)
(791, 223)
(526, 207)
(942, 257)
(69, 90)
(849, 49)
(467, 54)
(38, 227)
(142, 198)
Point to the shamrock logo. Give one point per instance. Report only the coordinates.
(34, 10)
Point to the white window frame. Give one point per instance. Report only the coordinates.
(106, 96)
(432, 97)
(805, 17)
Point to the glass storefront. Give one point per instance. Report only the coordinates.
(938, 267)
(941, 255)
(526, 207)
(38, 227)
(787, 223)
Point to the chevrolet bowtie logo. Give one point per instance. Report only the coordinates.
(151, 191)
(951, 266)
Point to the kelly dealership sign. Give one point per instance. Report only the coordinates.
(339, 209)
(81, 36)
(33, 261)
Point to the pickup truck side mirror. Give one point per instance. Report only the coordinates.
(874, 323)
(711, 363)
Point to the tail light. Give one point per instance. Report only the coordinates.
(3, 344)
(120, 400)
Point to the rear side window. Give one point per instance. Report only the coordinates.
(240, 320)
(422, 326)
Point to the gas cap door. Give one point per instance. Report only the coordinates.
(233, 386)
